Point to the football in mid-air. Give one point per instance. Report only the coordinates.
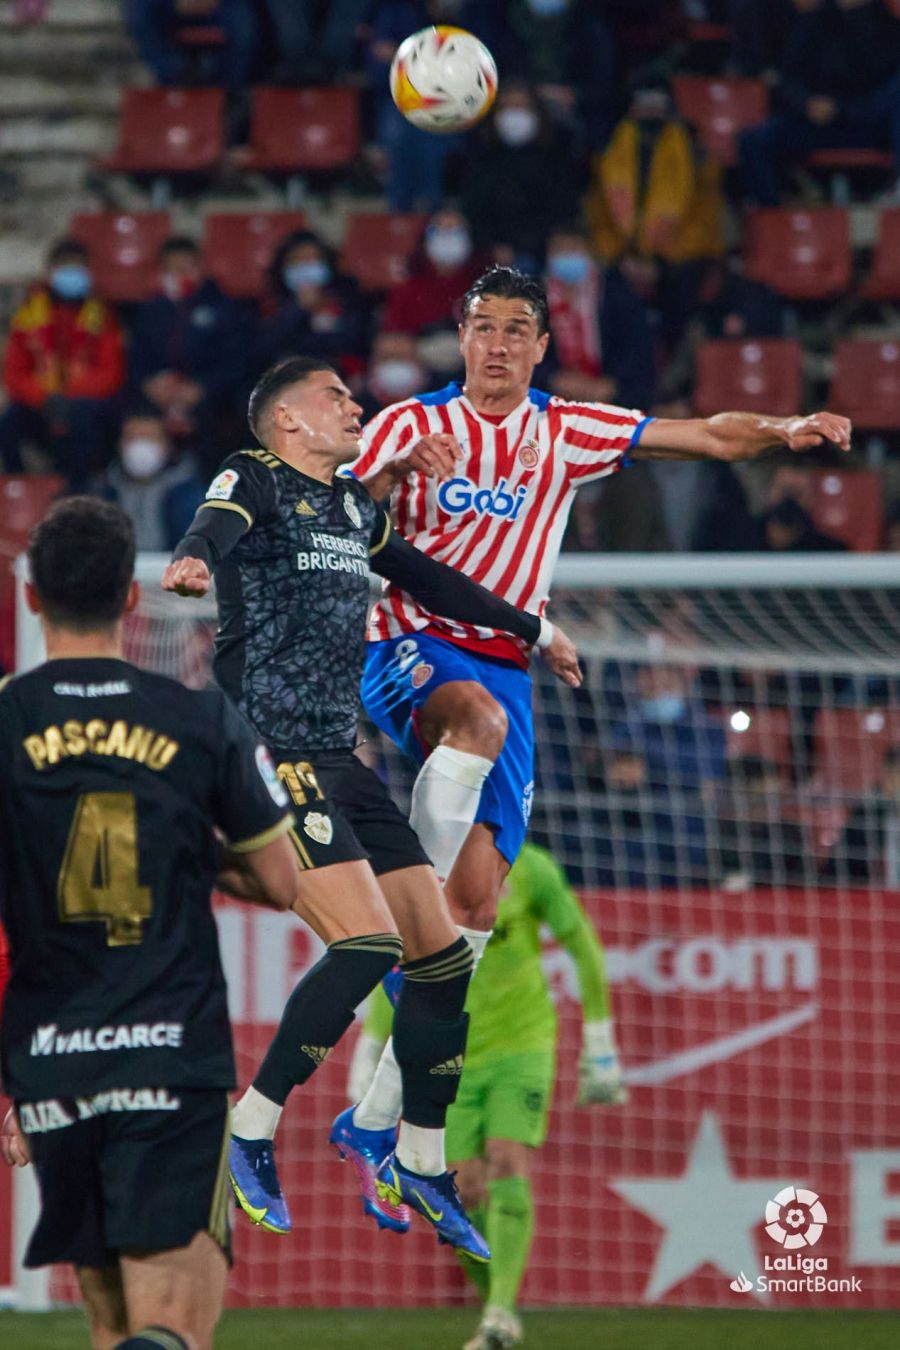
(443, 79)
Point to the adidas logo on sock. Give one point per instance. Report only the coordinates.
(317, 1053)
(454, 1066)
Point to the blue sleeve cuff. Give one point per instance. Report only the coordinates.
(639, 431)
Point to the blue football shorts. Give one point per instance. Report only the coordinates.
(401, 675)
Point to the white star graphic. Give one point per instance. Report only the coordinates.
(707, 1213)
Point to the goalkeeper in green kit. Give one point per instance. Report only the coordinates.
(500, 1115)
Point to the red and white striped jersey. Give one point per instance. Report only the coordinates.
(501, 517)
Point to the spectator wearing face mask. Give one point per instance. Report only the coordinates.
(187, 349)
(63, 366)
(564, 49)
(601, 347)
(664, 717)
(655, 205)
(158, 490)
(520, 179)
(440, 273)
(395, 372)
(320, 311)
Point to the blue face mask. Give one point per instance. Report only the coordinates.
(312, 273)
(663, 708)
(70, 281)
(570, 268)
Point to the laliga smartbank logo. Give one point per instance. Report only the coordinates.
(795, 1220)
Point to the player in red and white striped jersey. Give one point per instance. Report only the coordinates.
(482, 476)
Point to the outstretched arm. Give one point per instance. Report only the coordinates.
(453, 595)
(738, 435)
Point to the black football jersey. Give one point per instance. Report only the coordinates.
(113, 779)
(293, 598)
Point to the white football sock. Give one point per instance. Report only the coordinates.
(381, 1106)
(254, 1116)
(421, 1149)
(445, 801)
(477, 940)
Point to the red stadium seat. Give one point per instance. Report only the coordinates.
(850, 745)
(759, 374)
(167, 131)
(804, 255)
(377, 247)
(866, 382)
(848, 504)
(123, 250)
(767, 735)
(719, 109)
(302, 130)
(23, 500)
(883, 283)
(239, 247)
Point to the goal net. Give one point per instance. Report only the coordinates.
(724, 793)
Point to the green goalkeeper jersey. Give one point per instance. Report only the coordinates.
(509, 1004)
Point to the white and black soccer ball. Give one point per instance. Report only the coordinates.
(443, 79)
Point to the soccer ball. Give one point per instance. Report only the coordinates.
(443, 79)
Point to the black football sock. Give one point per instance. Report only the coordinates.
(321, 1009)
(153, 1338)
(430, 1032)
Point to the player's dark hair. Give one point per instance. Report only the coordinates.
(274, 381)
(508, 283)
(178, 243)
(81, 557)
(66, 248)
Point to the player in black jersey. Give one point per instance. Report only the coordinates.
(116, 1045)
(291, 545)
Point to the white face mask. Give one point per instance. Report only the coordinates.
(448, 247)
(397, 377)
(143, 457)
(517, 126)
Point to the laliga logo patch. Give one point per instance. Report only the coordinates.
(459, 495)
(421, 674)
(352, 510)
(792, 1211)
(528, 455)
(318, 827)
(221, 487)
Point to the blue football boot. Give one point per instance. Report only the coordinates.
(392, 983)
(254, 1180)
(437, 1200)
(367, 1150)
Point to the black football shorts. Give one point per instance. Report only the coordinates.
(146, 1172)
(344, 813)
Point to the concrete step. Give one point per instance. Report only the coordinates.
(67, 14)
(26, 95)
(69, 54)
(85, 134)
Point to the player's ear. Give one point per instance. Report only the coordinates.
(132, 598)
(462, 333)
(32, 599)
(542, 345)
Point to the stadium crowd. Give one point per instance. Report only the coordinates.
(644, 241)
